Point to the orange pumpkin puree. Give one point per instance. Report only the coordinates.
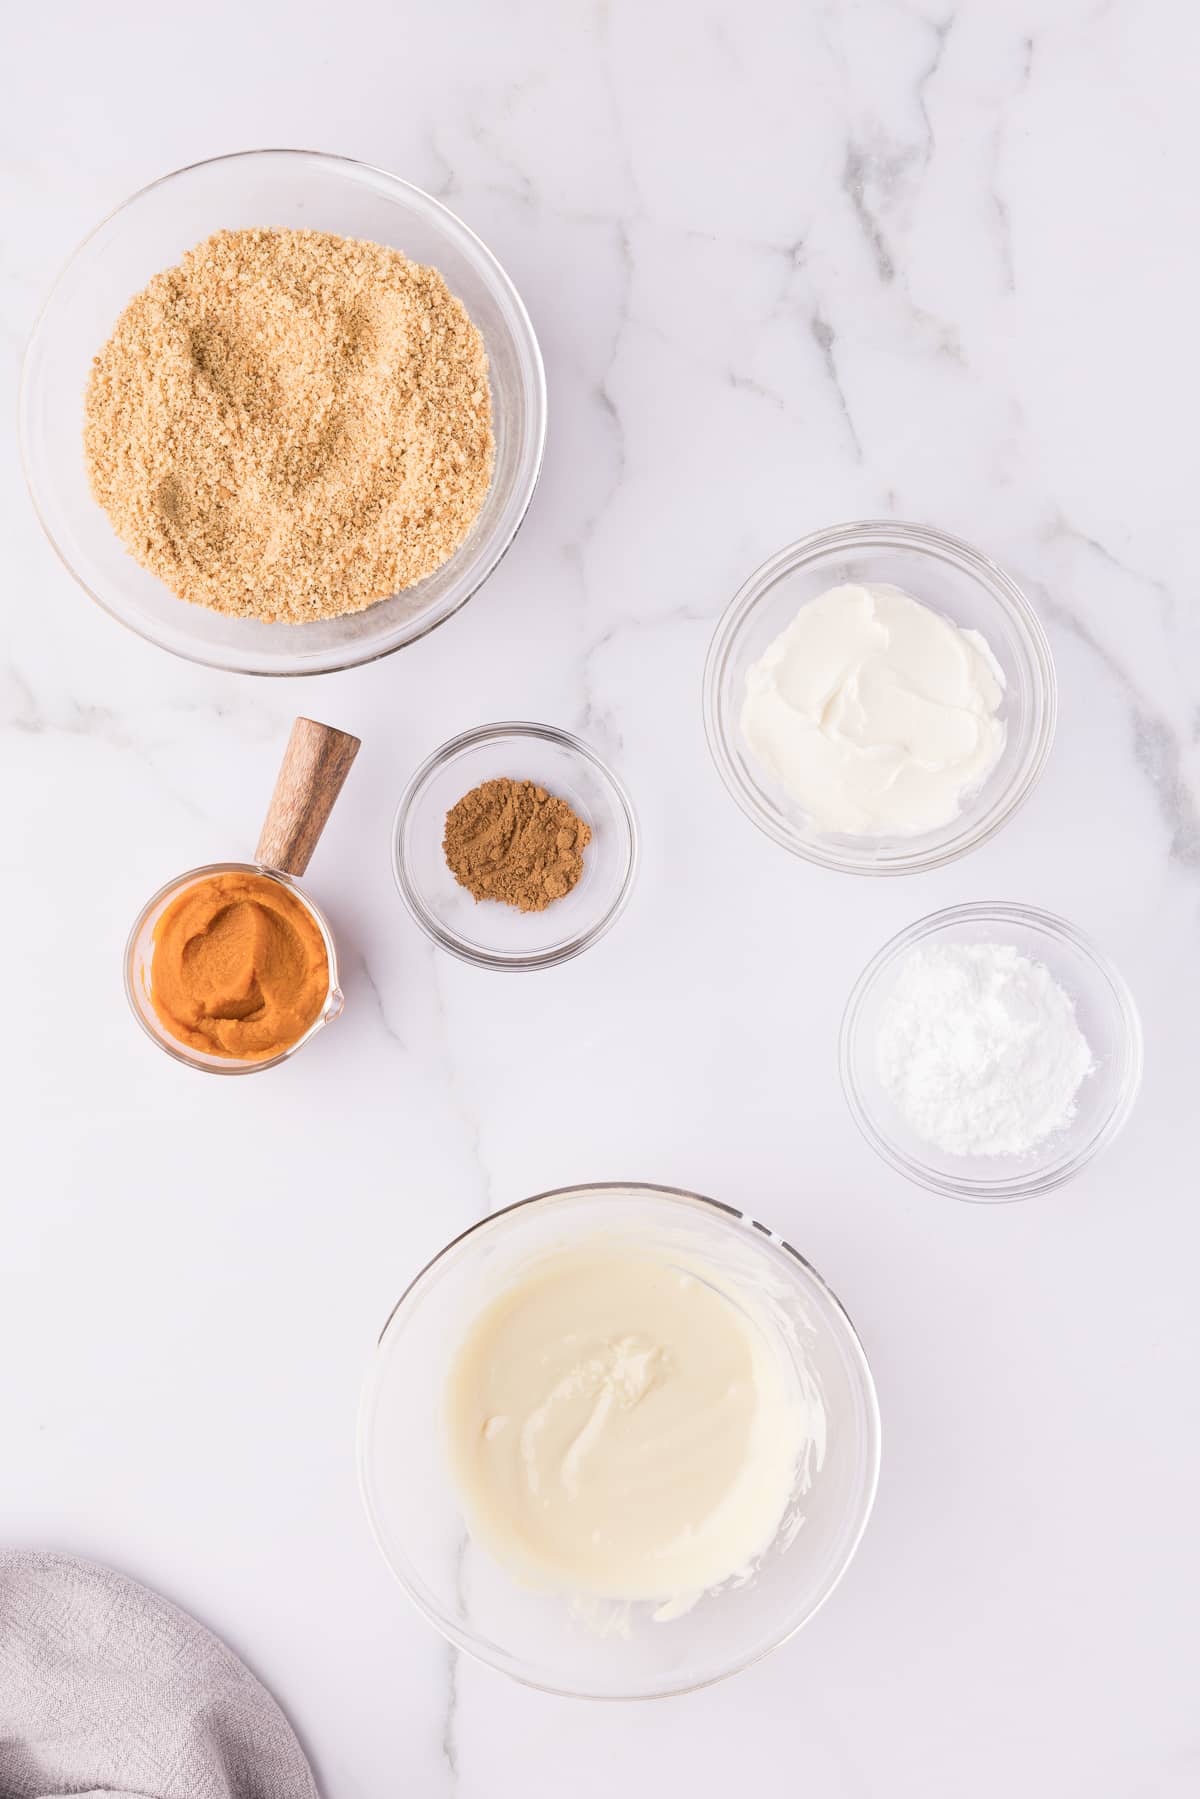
(239, 967)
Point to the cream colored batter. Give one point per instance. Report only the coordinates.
(619, 1427)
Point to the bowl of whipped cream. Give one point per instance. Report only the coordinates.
(880, 698)
(619, 1441)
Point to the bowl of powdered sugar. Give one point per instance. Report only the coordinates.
(282, 413)
(990, 1051)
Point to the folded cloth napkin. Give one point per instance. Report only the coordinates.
(107, 1689)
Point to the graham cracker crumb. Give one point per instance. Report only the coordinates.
(291, 425)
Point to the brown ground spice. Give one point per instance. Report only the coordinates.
(291, 425)
(512, 841)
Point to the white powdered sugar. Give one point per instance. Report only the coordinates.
(979, 1048)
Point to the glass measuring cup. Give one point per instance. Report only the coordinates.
(314, 767)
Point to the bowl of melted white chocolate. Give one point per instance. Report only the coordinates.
(619, 1441)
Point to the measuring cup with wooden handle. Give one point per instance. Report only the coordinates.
(315, 765)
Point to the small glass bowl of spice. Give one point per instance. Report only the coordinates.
(515, 846)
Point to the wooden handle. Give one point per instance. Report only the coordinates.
(315, 763)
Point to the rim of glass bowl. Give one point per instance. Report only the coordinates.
(923, 540)
(1019, 1186)
(476, 250)
(788, 1254)
(179, 1052)
(449, 940)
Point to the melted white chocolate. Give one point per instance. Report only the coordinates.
(620, 1427)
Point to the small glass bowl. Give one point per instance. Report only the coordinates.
(489, 933)
(150, 232)
(1107, 1017)
(943, 573)
(617, 1651)
(139, 965)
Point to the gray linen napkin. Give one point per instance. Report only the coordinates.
(107, 1689)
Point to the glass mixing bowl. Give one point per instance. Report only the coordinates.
(151, 231)
(621, 1652)
(1107, 1017)
(486, 932)
(953, 579)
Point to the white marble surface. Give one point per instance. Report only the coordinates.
(789, 264)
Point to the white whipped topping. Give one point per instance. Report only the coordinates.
(877, 715)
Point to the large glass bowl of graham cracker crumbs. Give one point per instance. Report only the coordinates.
(395, 365)
(515, 846)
